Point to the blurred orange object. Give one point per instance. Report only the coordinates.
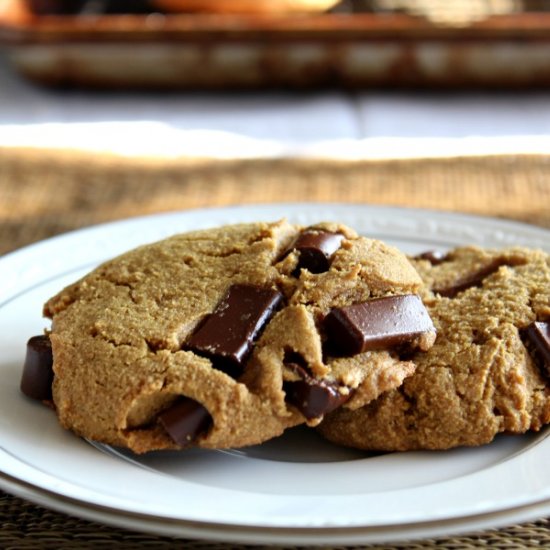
(272, 7)
(14, 11)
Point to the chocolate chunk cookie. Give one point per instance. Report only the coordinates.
(217, 338)
(488, 370)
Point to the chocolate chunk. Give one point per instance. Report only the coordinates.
(226, 337)
(315, 249)
(37, 378)
(474, 279)
(435, 257)
(536, 338)
(313, 397)
(185, 421)
(377, 324)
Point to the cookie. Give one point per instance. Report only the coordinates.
(488, 370)
(226, 337)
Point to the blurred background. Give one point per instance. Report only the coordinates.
(356, 79)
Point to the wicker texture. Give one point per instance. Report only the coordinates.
(43, 194)
(46, 193)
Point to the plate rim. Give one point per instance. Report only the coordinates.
(231, 533)
(464, 216)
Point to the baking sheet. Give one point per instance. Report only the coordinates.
(387, 43)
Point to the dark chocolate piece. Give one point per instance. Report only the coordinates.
(435, 257)
(474, 279)
(315, 249)
(185, 421)
(312, 397)
(536, 338)
(226, 336)
(381, 323)
(37, 378)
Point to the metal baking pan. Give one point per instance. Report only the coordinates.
(350, 47)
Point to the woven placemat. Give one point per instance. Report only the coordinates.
(47, 193)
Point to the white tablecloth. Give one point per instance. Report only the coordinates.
(270, 124)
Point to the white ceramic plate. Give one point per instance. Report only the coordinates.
(294, 490)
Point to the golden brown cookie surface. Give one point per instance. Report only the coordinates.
(132, 341)
(481, 377)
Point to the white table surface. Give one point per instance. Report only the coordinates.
(236, 125)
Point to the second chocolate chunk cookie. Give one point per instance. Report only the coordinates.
(223, 337)
(488, 370)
